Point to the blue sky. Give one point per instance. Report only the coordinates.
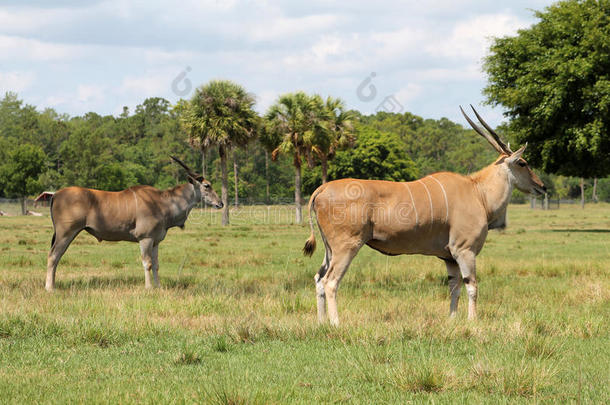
(426, 56)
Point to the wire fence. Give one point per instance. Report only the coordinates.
(12, 207)
(249, 212)
(252, 212)
(556, 203)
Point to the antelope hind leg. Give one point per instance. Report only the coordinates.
(59, 246)
(336, 270)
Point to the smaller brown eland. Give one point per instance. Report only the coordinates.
(140, 214)
(444, 214)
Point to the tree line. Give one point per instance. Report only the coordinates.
(301, 141)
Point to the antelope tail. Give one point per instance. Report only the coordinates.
(310, 244)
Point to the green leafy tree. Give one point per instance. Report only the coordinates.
(21, 171)
(89, 146)
(435, 145)
(376, 156)
(553, 80)
(269, 140)
(221, 113)
(292, 120)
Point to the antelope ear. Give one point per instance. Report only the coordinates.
(192, 180)
(516, 155)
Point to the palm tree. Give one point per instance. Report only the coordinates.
(335, 131)
(269, 140)
(292, 119)
(221, 114)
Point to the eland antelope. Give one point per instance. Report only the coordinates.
(444, 214)
(140, 214)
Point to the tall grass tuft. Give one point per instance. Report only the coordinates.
(220, 344)
(223, 393)
(541, 347)
(188, 357)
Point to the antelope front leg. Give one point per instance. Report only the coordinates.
(146, 247)
(467, 262)
(455, 285)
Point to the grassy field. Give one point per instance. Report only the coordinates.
(234, 321)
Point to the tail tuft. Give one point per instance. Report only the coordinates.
(310, 246)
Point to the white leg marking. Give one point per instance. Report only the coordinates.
(467, 263)
(146, 247)
(321, 299)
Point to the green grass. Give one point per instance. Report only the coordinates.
(234, 321)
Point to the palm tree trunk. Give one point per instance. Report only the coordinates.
(203, 163)
(297, 191)
(595, 199)
(225, 185)
(267, 176)
(582, 192)
(235, 177)
(324, 171)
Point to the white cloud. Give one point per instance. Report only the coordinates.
(470, 39)
(16, 81)
(17, 48)
(147, 85)
(265, 98)
(209, 5)
(97, 56)
(398, 43)
(331, 55)
(90, 93)
(85, 97)
(409, 93)
(280, 28)
(470, 71)
(56, 100)
(30, 20)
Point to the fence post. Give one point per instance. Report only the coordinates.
(546, 201)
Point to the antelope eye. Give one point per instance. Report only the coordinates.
(522, 164)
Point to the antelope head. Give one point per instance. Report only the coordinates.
(203, 188)
(519, 173)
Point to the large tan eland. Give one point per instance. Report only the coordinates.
(444, 214)
(140, 214)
